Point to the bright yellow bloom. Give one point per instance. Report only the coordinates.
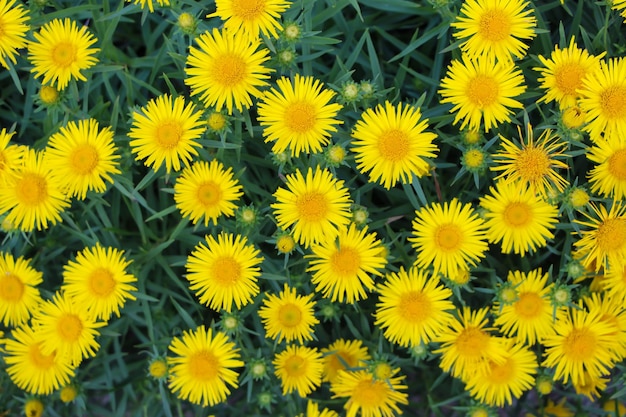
(299, 117)
(150, 3)
(391, 144)
(620, 6)
(608, 177)
(312, 410)
(288, 316)
(166, 131)
(10, 155)
(61, 51)
(19, 297)
(495, 28)
(204, 366)
(13, 28)
(482, 90)
(299, 369)
(343, 355)
(251, 17)
(227, 69)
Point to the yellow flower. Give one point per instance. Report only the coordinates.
(608, 177)
(158, 368)
(517, 218)
(204, 366)
(68, 393)
(288, 316)
(620, 6)
(33, 408)
(344, 268)
(534, 163)
(98, 280)
(317, 206)
(299, 369)
(251, 17)
(14, 23)
(299, 117)
(82, 157)
(32, 197)
(206, 190)
(613, 313)
(312, 410)
(285, 243)
(61, 51)
(343, 355)
(391, 144)
(150, 3)
(371, 396)
(448, 236)
(32, 370)
(573, 117)
(413, 307)
(166, 131)
(49, 95)
(10, 155)
(224, 272)
(495, 28)
(227, 69)
(563, 74)
(19, 297)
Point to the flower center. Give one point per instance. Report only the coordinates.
(209, 194)
(482, 91)
(70, 327)
(229, 70)
(369, 394)
(613, 102)
(448, 237)
(204, 366)
(532, 163)
(226, 271)
(168, 134)
(295, 366)
(290, 315)
(248, 9)
(517, 214)
(312, 207)
(494, 25)
(415, 307)
(472, 342)
(617, 164)
(503, 373)
(346, 262)
(40, 360)
(580, 344)
(31, 189)
(64, 54)
(474, 158)
(393, 145)
(84, 159)
(611, 234)
(529, 305)
(101, 282)
(11, 288)
(300, 117)
(569, 78)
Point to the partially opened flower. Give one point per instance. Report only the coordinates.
(251, 17)
(14, 23)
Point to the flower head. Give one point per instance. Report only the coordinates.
(19, 295)
(14, 23)
(299, 369)
(10, 155)
(343, 355)
(288, 316)
(608, 177)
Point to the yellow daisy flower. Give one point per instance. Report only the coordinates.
(467, 346)
(612, 312)
(14, 23)
(288, 316)
(299, 117)
(299, 369)
(534, 163)
(224, 271)
(530, 317)
(343, 269)
(82, 157)
(482, 90)
(166, 131)
(61, 51)
(150, 3)
(372, 397)
(506, 380)
(602, 99)
(391, 144)
(605, 240)
(98, 281)
(563, 73)
(32, 370)
(315, 207)
(312, 410)
(495, 28)
(608, 177)
(204, 366)
(413, 307)
(581, 347)
(591, 387)
(620, 6)
(614, 282)
(517, 218)
(227, 69)
(206, 190)
(448, 237)
(19, 296)
(32, 197)
(10, 155)
(66, 329)
(251, 17)
(342, 355)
